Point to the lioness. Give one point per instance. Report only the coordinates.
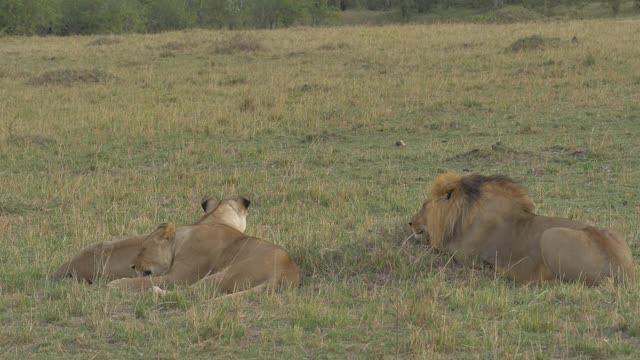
(107, 259)
(492, 219)
(215, 251)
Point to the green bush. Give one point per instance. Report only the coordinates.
(615, 6)
(163, 15)
(319, 11)
(275, 13)
(106, 16)
(28, 17)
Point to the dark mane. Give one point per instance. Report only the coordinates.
(471, 184)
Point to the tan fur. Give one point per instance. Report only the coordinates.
(110, 260)
(491, 219)
(215, 252)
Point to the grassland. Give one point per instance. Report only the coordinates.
(105, 137)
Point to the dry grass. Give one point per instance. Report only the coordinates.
(309, 131)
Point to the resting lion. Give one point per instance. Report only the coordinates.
(490, 218)
(215, 252)
(110, 260)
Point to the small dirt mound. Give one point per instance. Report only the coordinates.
(70, 77)
(324, 136)
(533, 42)
(310, 88)
(238, 43)
(562, 153)
(498, 152)
(334, 46)
(104, 41)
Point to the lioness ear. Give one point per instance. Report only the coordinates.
(245, 201)
(170, 232)
(203, 203)
(209, 203)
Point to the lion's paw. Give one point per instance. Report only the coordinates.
(118, 284)
(158, 291)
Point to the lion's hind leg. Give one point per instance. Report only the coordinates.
(585, 254)
(256, 289)
(235, 278)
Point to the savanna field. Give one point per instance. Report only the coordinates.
(102, 137)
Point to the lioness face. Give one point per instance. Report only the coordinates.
(419, 221)
(232, 212)
(156, 252)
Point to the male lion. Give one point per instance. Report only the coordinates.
(110, 260)
(491, 218)
(215, 252)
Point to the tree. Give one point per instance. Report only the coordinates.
(163, 15)
(615, 6)
(273, 13)
(28, 17)
(319, 11)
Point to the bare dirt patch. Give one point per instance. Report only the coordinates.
(28, 140)
(324, 136)
(561, 153)
(104, 41)
(334, 46)
(498, 152)
(305, 88)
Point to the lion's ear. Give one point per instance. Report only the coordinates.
(170, 232)
(209, 203)
(445, 184)
(244, 199)
(203, 203)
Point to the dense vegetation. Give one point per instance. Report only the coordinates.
(65, 17)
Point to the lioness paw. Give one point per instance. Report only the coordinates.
(118, 284)
(158, 291)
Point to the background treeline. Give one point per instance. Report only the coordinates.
(412, 7)
(65, 17)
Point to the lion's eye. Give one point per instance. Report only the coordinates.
(449, 195)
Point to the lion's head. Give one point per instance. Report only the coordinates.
(156, 252)
(455, 200)
(231, 212)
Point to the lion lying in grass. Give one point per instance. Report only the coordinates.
(215, 252)
(110, 260)
(490, 218)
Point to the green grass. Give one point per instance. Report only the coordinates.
(305, 121)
